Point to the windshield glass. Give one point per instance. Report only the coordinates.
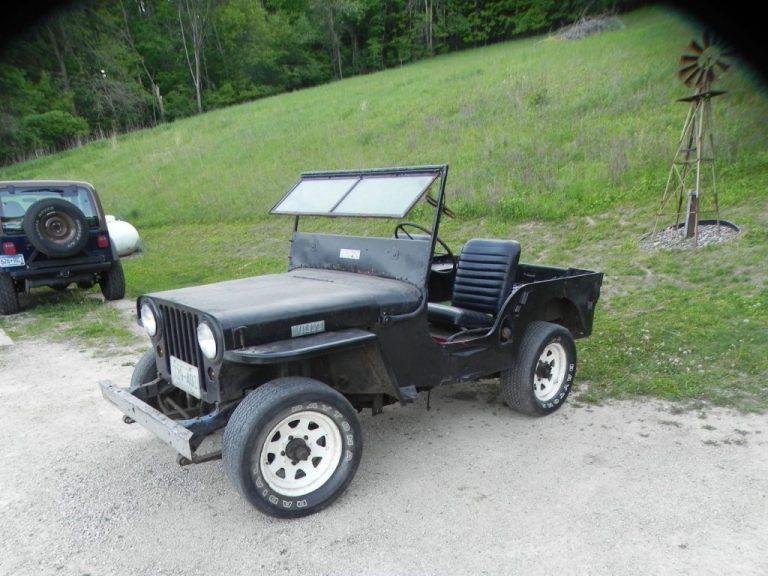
(316, 196)
(373, 193)
(384, 196)
(14, 203)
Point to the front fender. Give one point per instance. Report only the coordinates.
(301, 348)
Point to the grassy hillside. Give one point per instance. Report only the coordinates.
(539, 128)
(562, 145)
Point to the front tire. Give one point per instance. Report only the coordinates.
(145, 370)
(545, 364)
(292, 447)
(9, 298)
(167, 397)
(112, 282)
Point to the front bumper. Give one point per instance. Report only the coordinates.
(169, 431)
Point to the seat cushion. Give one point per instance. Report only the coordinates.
(457, 317)
(485, 274)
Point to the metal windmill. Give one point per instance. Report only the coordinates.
(693, 167)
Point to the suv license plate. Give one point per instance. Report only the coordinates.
(185, 376)
(12, 261)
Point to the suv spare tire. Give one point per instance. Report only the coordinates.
(56, 227)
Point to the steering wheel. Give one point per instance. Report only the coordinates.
(401, 227)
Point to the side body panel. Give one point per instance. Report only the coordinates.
(569, 299)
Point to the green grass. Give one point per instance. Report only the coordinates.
(74, 316)
(564, 146)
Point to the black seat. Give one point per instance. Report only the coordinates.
(485, 274)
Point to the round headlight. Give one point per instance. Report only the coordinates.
(207, 340)
(148, 319)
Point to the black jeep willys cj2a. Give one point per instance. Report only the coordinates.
(283, 362)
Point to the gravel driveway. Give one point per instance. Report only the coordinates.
(466, 488)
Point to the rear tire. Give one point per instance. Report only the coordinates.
(112, 282)
(292, 447)
(540, 379)
(9, 298)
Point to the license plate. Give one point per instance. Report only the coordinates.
(185, 376)
(11, 261)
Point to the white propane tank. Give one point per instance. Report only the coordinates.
(124, 236)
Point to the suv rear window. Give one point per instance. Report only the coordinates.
(14, 203)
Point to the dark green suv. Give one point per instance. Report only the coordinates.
(54, 233)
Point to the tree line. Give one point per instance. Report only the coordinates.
(99, 67)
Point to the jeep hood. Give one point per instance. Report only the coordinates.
(268, 307)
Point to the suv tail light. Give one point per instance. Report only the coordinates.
(9, 248)
(102, 241)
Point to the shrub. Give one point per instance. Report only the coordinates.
(179, 103)
(229, 94)
(53, 129)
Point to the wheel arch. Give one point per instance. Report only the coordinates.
(359, 373)
(564, 312)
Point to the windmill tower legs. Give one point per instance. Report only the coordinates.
(691, 186)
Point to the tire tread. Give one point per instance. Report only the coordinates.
(145, 369)
(113, 282)
(9, 298)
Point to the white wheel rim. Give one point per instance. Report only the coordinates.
(301, 453)
(549, 372)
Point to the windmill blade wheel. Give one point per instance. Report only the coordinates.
(701, 61)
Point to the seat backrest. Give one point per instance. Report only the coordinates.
(485, 274)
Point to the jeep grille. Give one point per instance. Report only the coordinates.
(180, 330)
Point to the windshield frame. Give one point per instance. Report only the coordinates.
(441, 176)
(435, 172)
